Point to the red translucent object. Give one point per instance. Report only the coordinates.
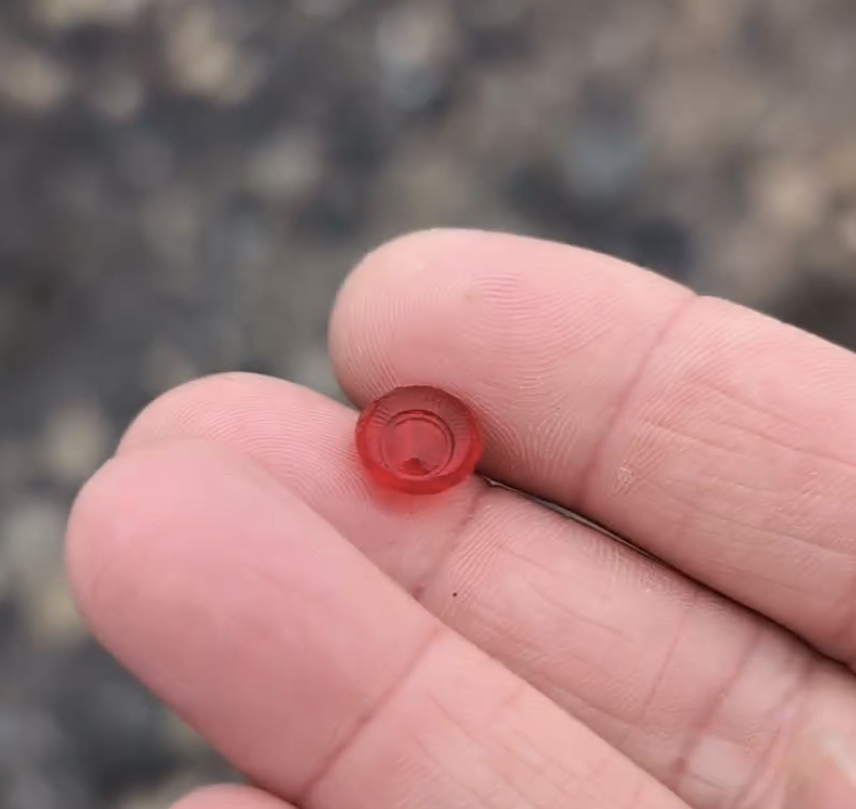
(419, 440)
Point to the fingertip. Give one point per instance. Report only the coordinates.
(83, 527)
(363, 297)
(407, 305)
(230, 796)
(189, 406)
(128, 510)
(282, 427)
(528, 332)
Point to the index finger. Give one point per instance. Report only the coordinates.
(720, 440)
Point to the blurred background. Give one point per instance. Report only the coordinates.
(185, 183)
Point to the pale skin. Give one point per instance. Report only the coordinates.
(351, 649)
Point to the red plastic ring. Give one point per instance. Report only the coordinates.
(419, 440)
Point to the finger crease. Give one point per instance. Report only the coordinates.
(627, 395)
(305, 795)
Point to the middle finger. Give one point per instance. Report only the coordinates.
(306, 666)
(699, 691)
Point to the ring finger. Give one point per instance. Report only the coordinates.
(308, 668)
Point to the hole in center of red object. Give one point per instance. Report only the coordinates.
(417, 444)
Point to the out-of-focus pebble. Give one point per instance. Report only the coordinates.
(75, 442)
(416, 45)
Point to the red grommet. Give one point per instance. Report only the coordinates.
(419, 440)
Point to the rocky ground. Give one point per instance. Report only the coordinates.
(184, 184)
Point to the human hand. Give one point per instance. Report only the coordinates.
(350, 649)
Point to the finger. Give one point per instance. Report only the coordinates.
(825, 776)
(703, 694)
(718, 439)
(230, 796)
(302, 663)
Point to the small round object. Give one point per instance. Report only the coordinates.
(419, 440)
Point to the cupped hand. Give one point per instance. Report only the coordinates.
(350, 649)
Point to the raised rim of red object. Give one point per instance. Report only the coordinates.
(424, 402)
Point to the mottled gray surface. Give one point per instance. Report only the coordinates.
(184, 184)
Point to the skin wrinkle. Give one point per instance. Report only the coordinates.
(505, 706)
(664, 666)
(752, 490)
(794, 426)
(419, 742)
(636, 797)
(505, 628)
(589, 473)
(576, 517)
(510, 300)
(555, 605)
(540, 765)
(803, 453)
(488, 627)
(583, 783)
(782, 738)
(842, 639)
(460, 533)
(639, 787)
(767, 435)
(759, 790)
(491, 625)
(693, 505)
(695, 514)
(305, 795)
(786, 715)
(569, 651)
(708, 785)
(706, 721)
(738, 573)
(475, 554)
(807, 532)
(657, 681)
(568, 698)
